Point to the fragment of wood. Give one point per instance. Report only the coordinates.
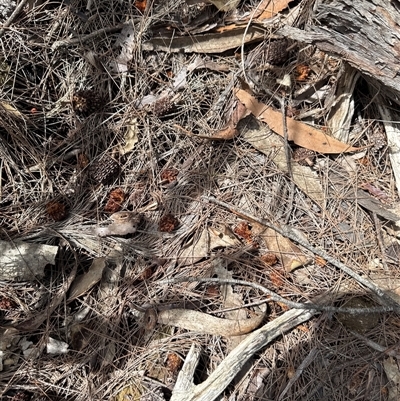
(203, 323)
(25, 261)
(390, 120)
(184, 384)
(371, 204)
(208, 43)
(210, 389)
(342, 110)
(363, 33)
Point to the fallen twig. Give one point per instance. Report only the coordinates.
(12, 17)
(85, 38)
(288, 154)
(277, 298)
(216, 383)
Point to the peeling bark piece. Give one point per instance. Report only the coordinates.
(342, 110)
(22, 261)
(363, 33)
(216, 42)
(373, 205)
(389, 117)
(204, 323)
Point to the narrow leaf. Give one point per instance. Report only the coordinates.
(270, 8)
(300, 133)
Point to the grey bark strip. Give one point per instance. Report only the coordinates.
(363, 33)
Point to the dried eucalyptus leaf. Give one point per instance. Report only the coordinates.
(85, 282)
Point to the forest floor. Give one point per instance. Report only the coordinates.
(149, 146)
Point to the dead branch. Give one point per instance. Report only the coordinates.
(216, 383)
(275, 297)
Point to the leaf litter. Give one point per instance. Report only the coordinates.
(134, 109)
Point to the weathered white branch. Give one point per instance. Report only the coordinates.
(210, 389)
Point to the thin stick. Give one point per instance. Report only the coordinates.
(287, 232)
(285, 137)
(277, 298)
(288, 155)
(309, 358)
(84, 38)
(378, 231)
(12, 17)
